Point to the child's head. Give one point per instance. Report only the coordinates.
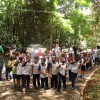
(28, 57)
(43, 60)
(21, 59)
(11, 58)
(63, 60)
(36, 59)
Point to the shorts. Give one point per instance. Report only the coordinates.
(14, 76)
(83, 68)
(19, 77)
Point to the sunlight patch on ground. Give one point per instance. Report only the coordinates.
(5, 93)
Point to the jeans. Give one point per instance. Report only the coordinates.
(1, 68)
(9, 73)
(36, 77)
(26, 81)
(97, 61)
(54, 81)
(73, 77)
(44, 81)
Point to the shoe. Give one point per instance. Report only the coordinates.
(14, 86)
(80, 76)
(58, 90)
(1, 79)
(23, 91)
(74, 88)
(47, 88)
(42, 89)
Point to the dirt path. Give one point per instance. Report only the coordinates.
(8, 93)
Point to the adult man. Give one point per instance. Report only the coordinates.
(1, 60)
(1, 49)
(97, 55)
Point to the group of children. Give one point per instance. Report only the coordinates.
(46, 67)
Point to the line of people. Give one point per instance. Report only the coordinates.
(56, 66)
(46, 67)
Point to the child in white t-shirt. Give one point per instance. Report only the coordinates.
(19, 72)
(36, 72)
(54, 73)
(62, 73)
(44, 73)
(27, 67)
(74, 71)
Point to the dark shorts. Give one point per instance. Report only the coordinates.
(83, 68)
(89, 64)
(19, 77)
(14, 76)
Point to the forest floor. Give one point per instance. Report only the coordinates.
(7, 92)
(92, 90)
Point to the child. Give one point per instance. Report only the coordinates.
(62, 73)
(70, 64)
(36, 72)
(83, 66)
(54, 73)
(27, 65)
(13, 65)
(44, 73)
(74, 71)
(9, 70)
(19, 71)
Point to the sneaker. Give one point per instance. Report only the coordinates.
(47, 88)
(14, 86)
(58, 90)
(42, 89)
(80, 76)
(74, 88)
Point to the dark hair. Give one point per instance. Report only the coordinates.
(44, 59)
(36, 57)
(98, 47)
(20, 58)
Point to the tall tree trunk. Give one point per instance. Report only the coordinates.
(51, 40)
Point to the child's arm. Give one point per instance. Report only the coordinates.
(58, 66)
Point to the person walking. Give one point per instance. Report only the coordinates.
(1, 60)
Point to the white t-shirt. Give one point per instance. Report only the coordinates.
(62, 69)
(36, 68)
(54, 69)
(19, 69)
(70, 66)
(43, 69)
(27, 68)
(75, 68)
(97, 53)
(57, 52)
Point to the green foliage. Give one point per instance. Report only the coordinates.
(44, 21)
